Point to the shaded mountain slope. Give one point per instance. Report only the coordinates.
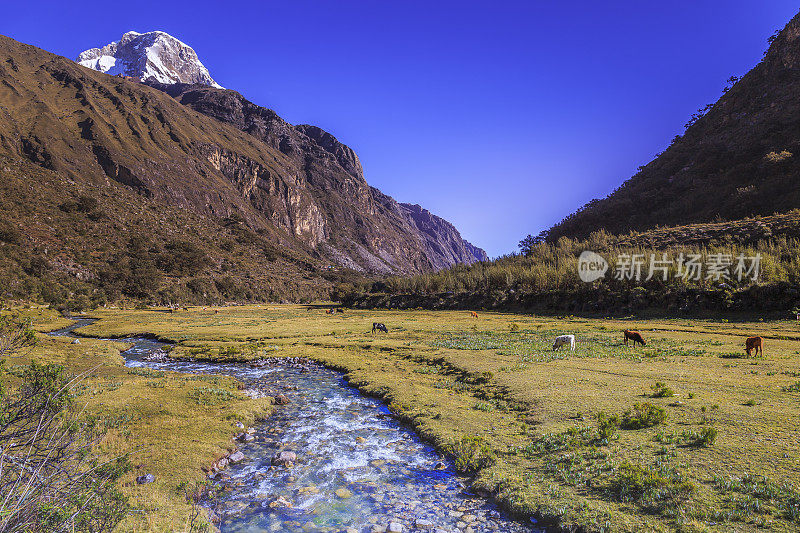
(741, 158)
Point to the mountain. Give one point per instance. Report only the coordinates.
(442, 239)
(181, 191)
(153, 55)
(738, 157)
(340, 189)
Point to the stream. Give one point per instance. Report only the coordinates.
(356, 469)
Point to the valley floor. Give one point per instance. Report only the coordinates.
(491, 392)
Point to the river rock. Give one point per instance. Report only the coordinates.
(283, 458)
(236, 458)
(280, 399)
(144, 479)
(280, 503)
(394, 527)
(244, 437)
(343, 493)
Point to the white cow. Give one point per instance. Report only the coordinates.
(564, 340)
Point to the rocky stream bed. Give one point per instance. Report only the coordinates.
(328, 460)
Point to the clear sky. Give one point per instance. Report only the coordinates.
(500, 116)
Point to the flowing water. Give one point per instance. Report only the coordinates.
(356, 470)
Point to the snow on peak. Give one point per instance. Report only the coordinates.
(152, 55)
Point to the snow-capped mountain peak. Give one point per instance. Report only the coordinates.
(154, 54)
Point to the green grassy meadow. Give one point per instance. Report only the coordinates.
(685, 434)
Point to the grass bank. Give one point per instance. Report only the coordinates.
(682, 435)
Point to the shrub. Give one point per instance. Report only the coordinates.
(183, 258)
(777, 157)
(471, 454)
(705, 437)
(660, 390)
(607, 426)
(9, 233)
(14, 336)
(633, 482)
(643, 415)
(51, 479)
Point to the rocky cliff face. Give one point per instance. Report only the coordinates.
(211, 154)
(740, 158)
(386, 233)
(442, 239)
(153, 55)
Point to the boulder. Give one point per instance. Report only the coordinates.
(236, 458)
(280, 399)
(145, 479)
(284, 458)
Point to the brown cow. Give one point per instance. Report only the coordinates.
(753, 342)
(635, 336)
(473, 314)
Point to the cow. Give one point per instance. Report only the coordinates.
(473, 314)
(339, 310)
(753, 342)
(564, 340)
(635, 336)
(377, 326)
(329, 311)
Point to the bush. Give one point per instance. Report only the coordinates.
(633, 482)
(607, 426)
(643, 415)
(9, 233)
(183, 258)
(471, 454)
(51, 479)
(705, 437)
(660, 390)
(14, 336)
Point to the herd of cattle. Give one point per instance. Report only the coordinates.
(752, 343)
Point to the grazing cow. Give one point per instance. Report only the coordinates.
(564, 340)
(753, 342)
(329, 311)
(635, 336)
(377, 326)
(339, 310)
(473, 314)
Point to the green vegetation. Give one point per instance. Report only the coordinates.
(545, 276)
(643, 415)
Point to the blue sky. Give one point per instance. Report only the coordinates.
(502, 117)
